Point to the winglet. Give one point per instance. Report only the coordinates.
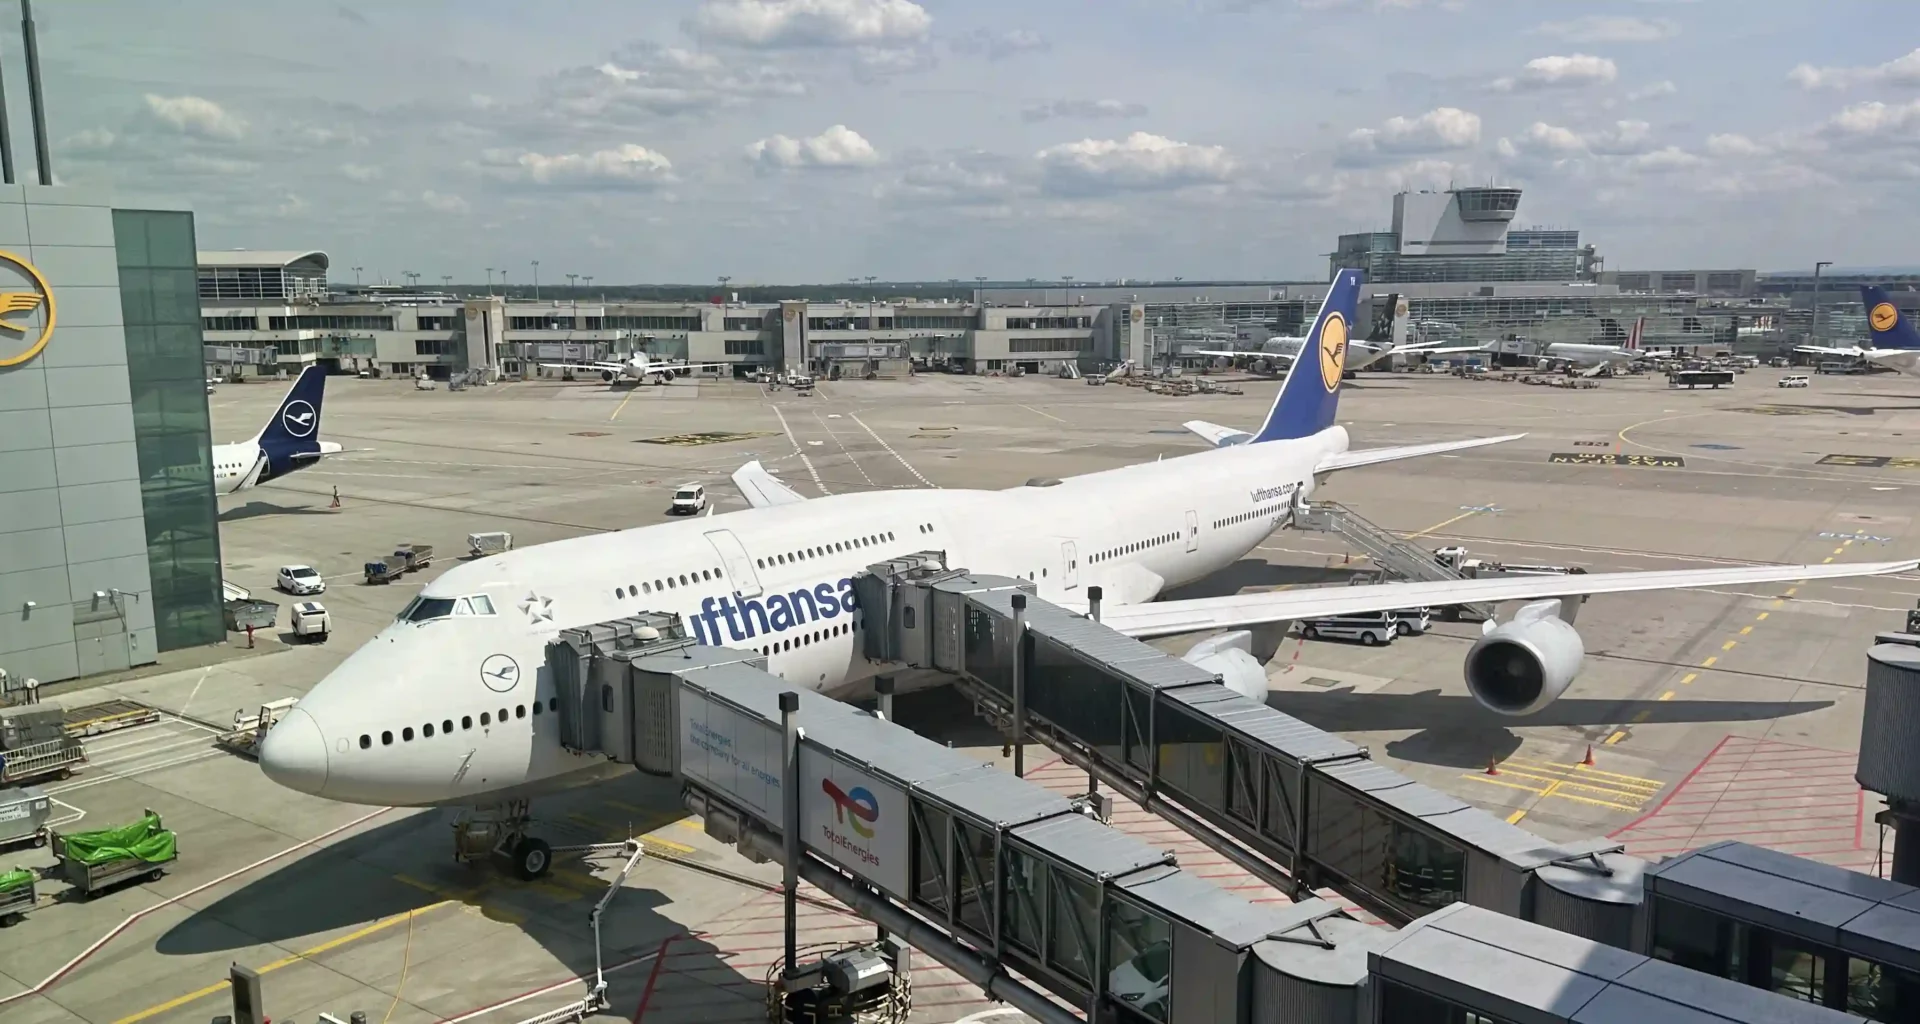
(1890, 327)
(1310, 394)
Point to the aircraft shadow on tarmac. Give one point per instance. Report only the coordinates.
(403, 865)
(1253, 572)
(255, 509)
(1454, 731)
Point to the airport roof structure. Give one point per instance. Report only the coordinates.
(262, 258)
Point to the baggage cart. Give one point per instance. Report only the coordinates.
(250, 612)
(17, 896)
(311, 623)
(24, 813)
(385, 570)
(26, 726)
(414, 557)
(93, 862)
(55, 758)
(483, 544)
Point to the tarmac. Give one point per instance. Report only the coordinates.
(1701, 715)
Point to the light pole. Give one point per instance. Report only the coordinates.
(356, 276)
(1817, 267)
(724, 278)
(489, 280)
(589, 279)
(536, 280)
(446, 281)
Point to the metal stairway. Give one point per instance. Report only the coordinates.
(1395, 556)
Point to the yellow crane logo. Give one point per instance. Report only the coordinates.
(17, 302)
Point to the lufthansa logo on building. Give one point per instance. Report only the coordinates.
(1333, 350)
(26, 315)
(1884, 316)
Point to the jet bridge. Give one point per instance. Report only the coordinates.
(1296, 806)
(987, 874)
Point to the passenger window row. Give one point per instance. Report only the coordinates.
(685, 579)
(1142, 545)
(825, 549)
(1258, 513)
(466, 722)
(807, 639)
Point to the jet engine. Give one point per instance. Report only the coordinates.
(606, 375)
(1230, 656)
(1522, 666)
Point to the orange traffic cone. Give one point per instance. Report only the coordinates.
(1493, 766)
(1588, 760)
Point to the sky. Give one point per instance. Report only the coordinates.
(806, 141)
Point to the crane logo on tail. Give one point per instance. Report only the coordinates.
(1883, 316)
(298, 417)
(36, 297)
(1333, 350)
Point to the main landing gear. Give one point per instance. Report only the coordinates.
(498, 832)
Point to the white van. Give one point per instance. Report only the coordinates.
(1370, 628)
(688, 500)
(1796, 380)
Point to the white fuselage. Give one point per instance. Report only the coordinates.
(1903, 360)
(237, 466)
(770, 580)
(1591, 355)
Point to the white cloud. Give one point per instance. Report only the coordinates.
(1625, 138)
(1734, 145)
(291, 206)
(837, 147)
(442, 203)
(1140, 162)
(645, 82)
(1437, 130)
(1547, 138)
(1653, 91)
(1904, 71)
(87, 142)
(201, 163)
(1661, 161)
(625, 166)
(193, 115)
(1603, 28)
(1083, 109)
(998, 45)
(1874, 118)
(1556, 72)
(782, 23)
(359, 172)
(969, 179)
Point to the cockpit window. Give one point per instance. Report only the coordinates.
(481, 604)
(462, 607)
(425, 608)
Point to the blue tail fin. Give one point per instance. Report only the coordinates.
(1310, 394)
(1890, 327)
(294, 429)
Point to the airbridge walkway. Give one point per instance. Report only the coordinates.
(1031, 896)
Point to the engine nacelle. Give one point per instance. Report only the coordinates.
(1230, 656)
(606, 375)
(1526, 664)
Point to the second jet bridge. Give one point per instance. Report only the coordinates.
(1295, 805)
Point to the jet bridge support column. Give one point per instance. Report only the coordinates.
(790, 829)
(1019, 686)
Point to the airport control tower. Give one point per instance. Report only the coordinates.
(1463, 235)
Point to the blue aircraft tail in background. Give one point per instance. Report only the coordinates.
(293, 434)
(1310, 395)
(1891, 328)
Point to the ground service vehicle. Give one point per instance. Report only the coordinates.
(300, 579)
(690, 499)
(1371, 629)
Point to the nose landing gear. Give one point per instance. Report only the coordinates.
(498, 832)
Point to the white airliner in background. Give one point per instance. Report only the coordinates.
(1280, 351)
(1896, 343)
(290, 440)
(450, 704)
(636, 367)
(1596, 356)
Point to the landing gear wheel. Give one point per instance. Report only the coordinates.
(531, 858)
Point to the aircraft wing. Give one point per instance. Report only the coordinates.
(1217, 435)
(588, 367)
(1240, 353)
(1375, 456)
(1828, 350)
(1164, 618)
(761, 488)
(1436, 348)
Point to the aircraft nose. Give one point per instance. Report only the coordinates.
(294, 754)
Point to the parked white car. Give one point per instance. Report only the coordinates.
(300, 579)
(1796, 380)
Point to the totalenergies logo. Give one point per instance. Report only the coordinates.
(857, 809)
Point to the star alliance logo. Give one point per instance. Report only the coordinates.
(539, 609)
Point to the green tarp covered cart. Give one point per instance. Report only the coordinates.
(93, 861)
(16, 895)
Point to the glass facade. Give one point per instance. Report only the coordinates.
(160, 306)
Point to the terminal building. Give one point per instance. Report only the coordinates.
(109, 541)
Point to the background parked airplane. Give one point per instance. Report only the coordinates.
(290, 441)
(637, 368)
(1895, 342)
